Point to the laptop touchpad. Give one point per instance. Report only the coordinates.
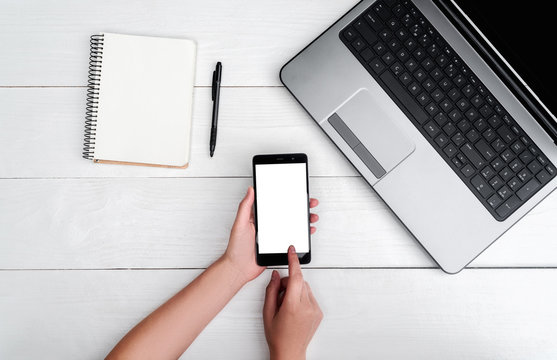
(369, 127)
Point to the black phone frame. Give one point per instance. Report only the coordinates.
(279, 258)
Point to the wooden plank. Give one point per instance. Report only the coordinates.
(184, 223)
(369, 314)
(42, 135)
(47, 42)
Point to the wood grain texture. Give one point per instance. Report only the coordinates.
(41, 135)
(369, 314)
(185, 222)
(46, 42)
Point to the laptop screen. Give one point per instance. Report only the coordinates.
(523, 34)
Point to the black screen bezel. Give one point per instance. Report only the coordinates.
(280, 258)
(536, 109)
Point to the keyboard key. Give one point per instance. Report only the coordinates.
(471, 114)
(472, 136)
(524, 175)
(497, 164)
(487, 172)
(543, 176)
(484, 149)
(423, 99)
(402, 34)
(414, 88)
(454, 94)
(462, 104)
(458, 139)
(528, 189)
(496, 183)
(550, 169)
(498, 145)
(382, 11)
(367, 54)
(432, 129)
(514, 183)
(388, 58)
(481, 186)
(515, 165)
(489, 135)
(379, 48)
(411, 65)
(385, 34)
(393, 24)
(405, 79)
(455, 115)
(486, 111)
(437, 95)
(468, 170)
(468, 91)
(507, 155)
(526, 157)
(374, 21)
(464, 125)
(481, 125)
(446, 105)
(495, 121)
(477, 101)
(432, 109)
(473, 155)
(409, 103)
(441, 119)
(377, 65)
(359, 44)
(442, 140)
(494, 201)
(450, 150)
(397, 68)
(506, 134)
(534, 167)
(508, 206)
(506, 174)
(365, 30)
(420, 75)
(517, 147)
(350, 34)
(449, 129)
(504, 192)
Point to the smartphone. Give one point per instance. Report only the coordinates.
(281, 208)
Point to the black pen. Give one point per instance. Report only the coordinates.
(217, 75)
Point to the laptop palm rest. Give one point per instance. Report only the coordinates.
(369, 127)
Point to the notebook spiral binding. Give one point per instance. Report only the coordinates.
(93, 83)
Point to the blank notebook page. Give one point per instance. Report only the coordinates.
(145, 100)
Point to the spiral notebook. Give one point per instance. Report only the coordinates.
(139, 100)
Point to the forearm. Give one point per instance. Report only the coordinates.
(170, 330)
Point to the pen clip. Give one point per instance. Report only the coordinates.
(214, 86)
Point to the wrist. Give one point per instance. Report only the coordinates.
(278, 355)
(238, 278)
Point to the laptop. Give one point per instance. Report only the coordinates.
(445, 107)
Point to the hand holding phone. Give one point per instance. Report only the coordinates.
(241, 252)
(282, 205)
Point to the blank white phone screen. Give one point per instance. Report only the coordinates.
(282, 208)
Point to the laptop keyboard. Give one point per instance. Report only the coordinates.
(449, 105)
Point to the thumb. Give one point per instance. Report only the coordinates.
(244, 209)
(271, 297)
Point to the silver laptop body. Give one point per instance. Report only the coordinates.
(389, 151)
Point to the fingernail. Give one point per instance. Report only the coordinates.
(291, 249)
(274, 275)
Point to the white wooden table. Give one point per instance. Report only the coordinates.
(88, 250)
